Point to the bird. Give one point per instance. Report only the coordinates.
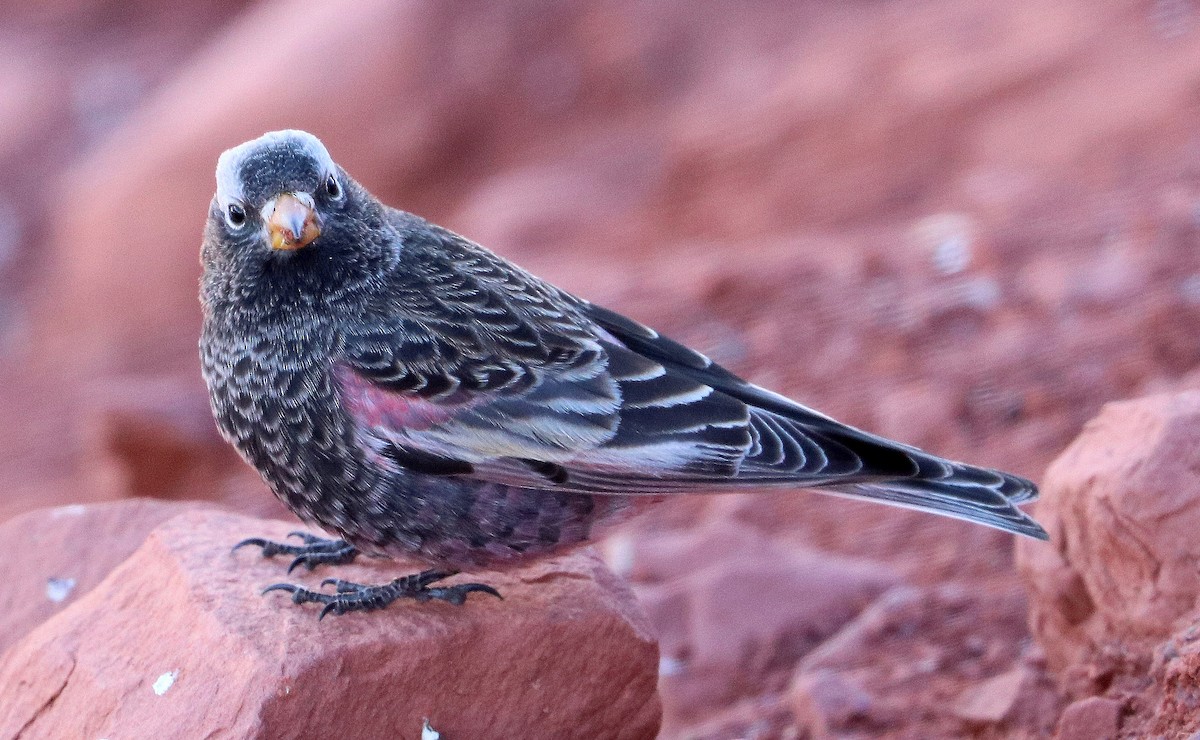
(422, 398)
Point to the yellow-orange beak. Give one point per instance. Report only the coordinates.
(293, 222)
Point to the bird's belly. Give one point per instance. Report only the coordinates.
(466, 524)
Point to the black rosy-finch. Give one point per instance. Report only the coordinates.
(405, 388)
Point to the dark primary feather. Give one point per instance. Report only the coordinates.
(468, 366)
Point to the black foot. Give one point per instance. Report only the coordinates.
(357, 597)
(315, 550)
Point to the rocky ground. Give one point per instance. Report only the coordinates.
(964, 225)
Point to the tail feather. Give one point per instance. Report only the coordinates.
(973, 494)
(934, 484)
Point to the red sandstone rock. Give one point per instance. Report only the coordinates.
(155, 437)
(730, 598)
(749, 620)
(935, 662)
(1122, 505)
(824, 702)
(1093, 718)
(992, 701)
(177, 641)
(668, 609)
(760, 718)
(1170, 705)
(33, 99)
(728, 591)
(697, 547)
(53, 557)
(744, 604)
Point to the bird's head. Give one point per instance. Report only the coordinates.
(284, 207)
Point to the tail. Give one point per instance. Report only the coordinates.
(978, 495)
(790, 444)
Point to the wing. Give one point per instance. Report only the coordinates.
(484, 371)
(477, 363)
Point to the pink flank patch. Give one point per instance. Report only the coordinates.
(375, 407)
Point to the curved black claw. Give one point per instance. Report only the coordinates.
(457, 595)
(315, 550)
(358, 597)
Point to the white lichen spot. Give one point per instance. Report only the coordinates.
(619, 552)
(949, 239)
(68, 510)
(164, 682)
(427, 732)
(668, 666)
(58, 589)
(982, 294)
(952, 255)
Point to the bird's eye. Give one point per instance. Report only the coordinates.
(333, 188)
(235, 215)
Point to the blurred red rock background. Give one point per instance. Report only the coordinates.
(964, 225)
